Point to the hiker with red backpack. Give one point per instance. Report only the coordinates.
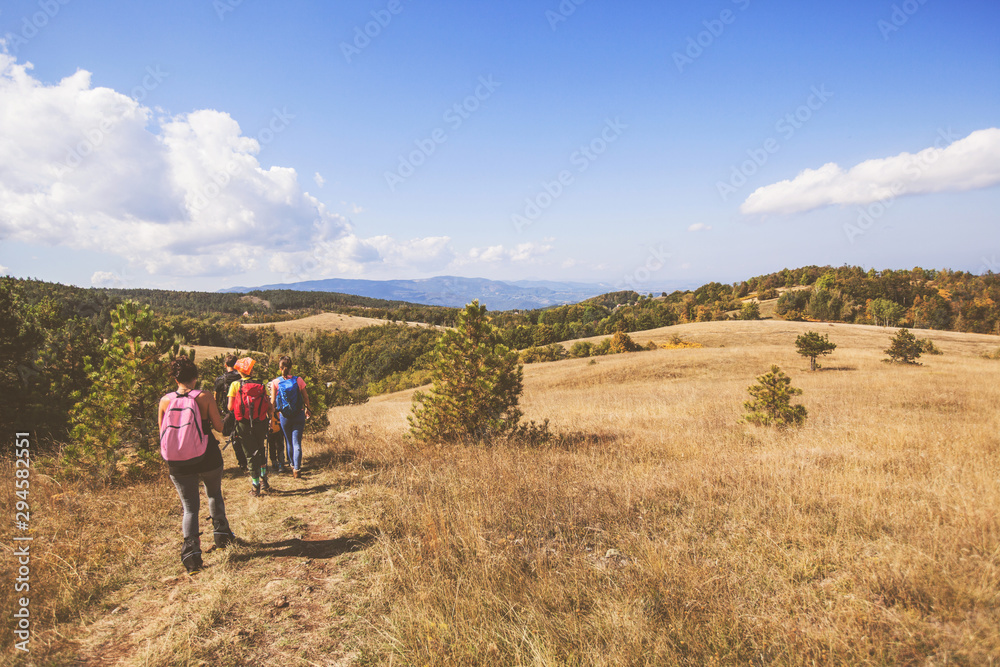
(222, 385)
(291, 401)
(186, 417)
(252, 410)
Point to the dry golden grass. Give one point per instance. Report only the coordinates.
(204, 352)
(669, 533)
(329, 322)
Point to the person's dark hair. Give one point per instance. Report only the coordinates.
(183, 369)
(285, 364)
(230, 360)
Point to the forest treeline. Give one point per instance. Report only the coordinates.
(56, 339)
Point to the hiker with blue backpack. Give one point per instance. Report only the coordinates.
(291, 401)
(252, 409)
(186, 417)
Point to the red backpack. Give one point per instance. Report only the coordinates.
(252, 403)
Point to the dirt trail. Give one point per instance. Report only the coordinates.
(288, 596)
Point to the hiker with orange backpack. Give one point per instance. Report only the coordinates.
(291, 402)
(252, 410)
(186, 417)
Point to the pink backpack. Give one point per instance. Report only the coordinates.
(181, 437)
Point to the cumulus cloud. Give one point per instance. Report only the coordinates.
(964, 164)
(105, 279)
(699, 227)
(522, 252)
(185, 195)
(320, 181)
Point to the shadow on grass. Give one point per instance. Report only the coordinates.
(297, 548)
(837, 368)
(330, 459)
(308, 491)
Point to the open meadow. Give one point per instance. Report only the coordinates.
(658, 530)
(328, 322)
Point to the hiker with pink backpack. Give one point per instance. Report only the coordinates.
(186, 417)
(291, 402)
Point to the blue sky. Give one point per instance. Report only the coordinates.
(200, 144)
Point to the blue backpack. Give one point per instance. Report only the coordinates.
(287, 399)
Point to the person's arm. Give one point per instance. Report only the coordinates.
(161, 408)
(271, 389)
(305, 399)
(208, 405)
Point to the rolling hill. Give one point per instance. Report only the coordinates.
(659, 529)
(452, 291)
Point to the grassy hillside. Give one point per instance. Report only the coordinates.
(327, 322)
(661, 531)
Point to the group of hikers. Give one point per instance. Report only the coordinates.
(259, 421)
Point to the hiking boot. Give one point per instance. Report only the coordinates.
(222, 533)
(191, 555)
(255, 490)
(265, 486)
(296, 474)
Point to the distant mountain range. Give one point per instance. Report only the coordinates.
(454, 291)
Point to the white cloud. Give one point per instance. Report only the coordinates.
(320, 181)
(965, 164)
(522, 252)
(699, 227)
(105, 279)
(3, 270)
(91, 168)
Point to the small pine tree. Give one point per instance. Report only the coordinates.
(811, 344)
(904, 347)
(771, 404)
(477, 384)
(116, 418)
